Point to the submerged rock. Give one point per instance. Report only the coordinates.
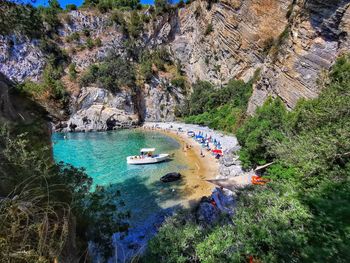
(170, 177)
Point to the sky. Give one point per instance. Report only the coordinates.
(63, 3)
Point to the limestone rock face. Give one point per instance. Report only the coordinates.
(159, 100)
(312, 34)
(97, 109)
(318, 35)
(233, 47)
(20, 58)
(97, 26)
(217, 42)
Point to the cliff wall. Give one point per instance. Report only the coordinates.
(291, 41)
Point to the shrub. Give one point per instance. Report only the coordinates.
(90, 43)
(72, 72)
(71, 7)
(50, 15)
(86, 32)
(256, 134)
(208, 30)
(161, 6)
(31, 88)
(181, 4)
(179, 82)
(111, 74)
(74, 37)
(268, 44)
(135, 26)
(210, 4)
(158, 57)
(183, 240)
(23, 19)
(98, 42)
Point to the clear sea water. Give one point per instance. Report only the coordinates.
(103, 155)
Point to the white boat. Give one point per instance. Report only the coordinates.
(147, 157)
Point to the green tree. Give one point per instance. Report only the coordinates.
(256, 134)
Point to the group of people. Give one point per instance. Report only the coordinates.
(205, 140)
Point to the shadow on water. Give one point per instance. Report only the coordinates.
(146, 213)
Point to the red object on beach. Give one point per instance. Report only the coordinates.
(257, 180)
(217, 152)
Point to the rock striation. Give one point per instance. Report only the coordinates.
(308, 37)
(318, 33)
(291, 42)
(160, 99)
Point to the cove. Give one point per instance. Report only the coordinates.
(103, 156)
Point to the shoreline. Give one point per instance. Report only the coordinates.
(202, 173)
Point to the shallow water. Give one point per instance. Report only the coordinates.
(103, 155)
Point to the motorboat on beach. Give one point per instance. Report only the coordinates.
(147, 156)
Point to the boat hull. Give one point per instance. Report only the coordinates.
(136, 160)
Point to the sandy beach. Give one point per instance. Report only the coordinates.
(201, 168)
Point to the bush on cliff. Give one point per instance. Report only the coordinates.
(112, 74)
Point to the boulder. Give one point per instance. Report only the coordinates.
(170, 177)
(207, 213)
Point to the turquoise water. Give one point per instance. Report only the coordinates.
(103, 155)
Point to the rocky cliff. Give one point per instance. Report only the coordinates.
(318, 32)
(291, 41)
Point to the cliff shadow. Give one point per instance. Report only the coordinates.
(146, 216)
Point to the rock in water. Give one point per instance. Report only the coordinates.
(170, 177)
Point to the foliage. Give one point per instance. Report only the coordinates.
(50, 16)
(71, 7)
(90, 43)
(74, 37)
(273, 46)
(179, 82)
(30, 87)
(55, 56)
(182, 235)
(72, 72)
(39, 200)
(106, 5)
(224, 118)
(162, 6)
(219, 108)
(98, 42)
(136, 25)
(258, 131)
(210, 3)
(208, 29)
(158, 58)
(113, 73)
(24, 19)
(302, 215)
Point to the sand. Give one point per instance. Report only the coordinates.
(200, 168)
